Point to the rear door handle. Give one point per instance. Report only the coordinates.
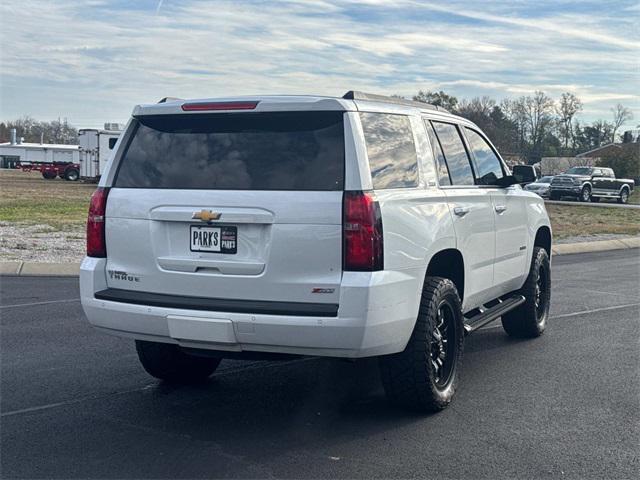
(500, 208)
(461, 211)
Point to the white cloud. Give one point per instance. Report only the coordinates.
(92, 61)
(564, 26)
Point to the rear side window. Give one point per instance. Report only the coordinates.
(454, 153)
(443, 172)
(488, 166)
(238, 151)
(391, 150)
(112, 143)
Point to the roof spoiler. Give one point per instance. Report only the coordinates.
(371, 97)
(170, 99)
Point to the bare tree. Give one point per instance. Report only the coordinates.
(514, 111)
(538, 113)
(56, 131)
(479, 110)
(439, 99)
(602, 131)
(567, 108)
(477, 106)
(621, 115)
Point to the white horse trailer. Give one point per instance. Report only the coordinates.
(96, 147)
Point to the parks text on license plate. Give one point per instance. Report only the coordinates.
(214, 239)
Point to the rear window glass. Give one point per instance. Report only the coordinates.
(391, 151)
(240, 151)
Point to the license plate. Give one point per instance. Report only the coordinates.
(214, 239)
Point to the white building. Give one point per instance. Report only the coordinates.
(15, 151)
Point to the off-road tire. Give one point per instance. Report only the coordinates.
(409, 377)
(623, 198)
(585, 194)
(71, 175)
(168, 362)
(529, 320)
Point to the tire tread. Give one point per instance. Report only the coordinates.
(522, 322)
(403, 374)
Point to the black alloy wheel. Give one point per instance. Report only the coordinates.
(443, 345)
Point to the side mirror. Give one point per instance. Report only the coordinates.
(506, 181)
(525, 173)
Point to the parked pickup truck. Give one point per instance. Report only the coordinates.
(590, 184)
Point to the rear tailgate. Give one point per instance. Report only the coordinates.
(266, 193)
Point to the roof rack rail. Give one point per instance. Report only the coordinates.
(372, 97)
(169, 99)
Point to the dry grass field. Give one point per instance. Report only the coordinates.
(27, 197)
(44, 220)
(571, 221)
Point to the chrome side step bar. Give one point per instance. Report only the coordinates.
(504, 305)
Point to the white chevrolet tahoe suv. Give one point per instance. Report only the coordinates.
(342, 227)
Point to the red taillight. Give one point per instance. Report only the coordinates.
(96, 244)
(362, 232)
(204, 106)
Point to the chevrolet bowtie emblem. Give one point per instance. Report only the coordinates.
(206, 215)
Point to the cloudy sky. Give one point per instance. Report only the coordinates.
(92, 60)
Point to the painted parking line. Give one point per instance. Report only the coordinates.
(17, 305)
(230, 371)
(581, 312)
(595, 310)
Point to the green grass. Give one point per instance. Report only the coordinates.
(28, 199)
(575, 220)
(58, 214)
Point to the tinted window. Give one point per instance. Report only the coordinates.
(241, 151)
(443, 172)
(488, 167)
(579, 171)
(454, 153)
(112, 143)
(391, 151)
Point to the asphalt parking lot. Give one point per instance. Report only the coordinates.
(76, 404)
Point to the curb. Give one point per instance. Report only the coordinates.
(40, 269)
(73, 269)
(597, 246)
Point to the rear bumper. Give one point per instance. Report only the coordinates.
(376, 315)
